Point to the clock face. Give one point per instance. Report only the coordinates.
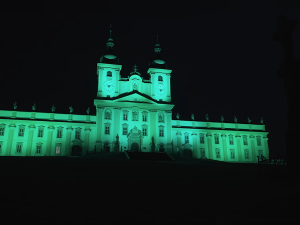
(108, 86)
(160, 89)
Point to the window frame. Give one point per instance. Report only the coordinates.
(21, 132)
(201, 138)
(245, 139)
(2, 130)
(217, 140)
(108, 75)
(231, 139)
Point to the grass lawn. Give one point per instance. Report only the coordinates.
(110, 187)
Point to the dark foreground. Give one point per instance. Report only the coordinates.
(111, 188)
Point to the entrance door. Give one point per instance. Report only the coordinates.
(76, 150)
(135, 147)
(106, 148)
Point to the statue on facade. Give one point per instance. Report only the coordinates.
(71, 109)
(193, 118)
(135, 115)
(206, 117)
(222, 118)
(235, 119)
(261, 121)
(177, 116)
(15, 105)
(53, 108)
(249, 121)
(135, 86)
(88, 110)
(117, 137)
(33, 107)
(160, 118)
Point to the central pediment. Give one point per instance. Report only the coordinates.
(135, 97)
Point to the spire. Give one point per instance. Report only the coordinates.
(157, 62)
(110, 43)
(157, 48)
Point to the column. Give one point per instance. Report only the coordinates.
(239, 148)
(99, 125)
(225, 153)
(169, 131)
(153, 124)
(30, 137)
(86, 140)
(266, 147)
(152, 77)
(254, 158)
(100, 71)
(209, 145)
(117, 127)
(168, 85)
(196, 151)
(117, 82)
(68, 141)
(179, 145)
(49, 141)
(12, 128)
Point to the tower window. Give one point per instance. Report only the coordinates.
(109, 73)
(160, 78)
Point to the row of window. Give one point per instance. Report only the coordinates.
(144, 129)
(109, 74)
(245, 139)
(135, 117)
(232, 153)
(19, 147)
(41, 132)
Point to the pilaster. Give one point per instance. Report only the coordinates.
(49, 141)
(225, 153)
(99, 125)
(196, 151)
(169, 131)
(12, 128)
(68, 141)
(266, 147)
(86, 141)
(179, 145)
(254, 158)
(209, 145)
(153, 124)
(30, 137)
(239, 148)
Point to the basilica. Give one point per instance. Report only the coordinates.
(131, 114)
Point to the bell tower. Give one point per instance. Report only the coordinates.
(108, 71)
(160, 76)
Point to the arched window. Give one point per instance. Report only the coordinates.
(160, 78)
(161, 118)
(109, 74)
(108, 114)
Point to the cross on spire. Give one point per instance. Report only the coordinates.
(135, 68)
(110, 29)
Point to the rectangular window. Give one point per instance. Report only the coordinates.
(186, 139)
(218, 153)
(144, 131)
(247, 154)
(1, 131)
(57, 149)
(40, 134)
(21, 132)
(125, 130)
(258, 140)
(216, 139)
(77, 134)
(231, 140)
(161, 132)
(201, 139)
(144, 117)
(106, 130)
(19, 148)
(232, 155)
(202, 150)
(125, 116)
(59, 133)
(245, 140)
(38, 149)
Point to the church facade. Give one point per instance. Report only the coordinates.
(131, 114)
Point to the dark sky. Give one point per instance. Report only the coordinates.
(222, 56)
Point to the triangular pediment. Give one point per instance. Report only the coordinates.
(134, 97)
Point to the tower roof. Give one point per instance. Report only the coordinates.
(109, 57)
(157, 61)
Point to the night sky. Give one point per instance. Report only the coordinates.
(222, 57)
